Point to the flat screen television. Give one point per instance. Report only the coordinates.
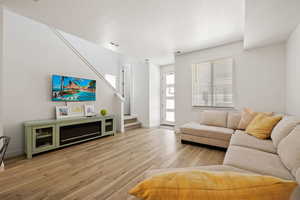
(65, 88)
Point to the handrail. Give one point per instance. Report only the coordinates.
(86, 62)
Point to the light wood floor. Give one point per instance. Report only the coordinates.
(103, 169)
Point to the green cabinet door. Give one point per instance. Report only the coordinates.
(43, 138)
(108, 126)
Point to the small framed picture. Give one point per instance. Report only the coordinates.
(62, 112)
(76, 110)
(89, 110)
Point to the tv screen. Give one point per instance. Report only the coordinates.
(66, 88)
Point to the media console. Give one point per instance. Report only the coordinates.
(45, 135)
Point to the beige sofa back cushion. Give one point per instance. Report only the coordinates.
(233, 120)
(289, 150)
(283, 128)
(214, 118)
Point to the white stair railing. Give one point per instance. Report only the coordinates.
(99, 75)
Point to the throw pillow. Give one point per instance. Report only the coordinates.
(195, 185)
(246, 118)
(262, 125)
(233, 120)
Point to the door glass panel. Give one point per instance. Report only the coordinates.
(170, 116)
(170, 104)
(168, 96)
(170, 79)
(170, 91)
(44, 137)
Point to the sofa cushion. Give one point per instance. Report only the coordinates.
(204, 140)
(289, 150)
(283, 128)
(262, 125)
(246, 117)
(214, 118)
(233, 120)
(194, 128)
(195, 185)
(222, 168)
(241, 138)
(256, 161)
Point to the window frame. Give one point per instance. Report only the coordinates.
(211, 62)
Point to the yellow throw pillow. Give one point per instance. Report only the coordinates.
(197, 185)
(262, 125)
(247, 116)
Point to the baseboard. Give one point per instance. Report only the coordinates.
(10, 154)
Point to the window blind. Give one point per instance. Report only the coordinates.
(212, 84)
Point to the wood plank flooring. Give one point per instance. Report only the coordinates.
(103, 169)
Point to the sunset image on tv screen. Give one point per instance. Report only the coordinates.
(66, 88)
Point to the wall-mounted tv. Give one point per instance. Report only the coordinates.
(65, 88)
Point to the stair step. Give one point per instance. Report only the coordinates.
(134, 125)
(129, 117)
(129, 121)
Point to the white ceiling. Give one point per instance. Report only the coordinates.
(152, 29)
(270, 21)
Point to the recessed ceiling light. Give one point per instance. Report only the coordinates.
(114, 44)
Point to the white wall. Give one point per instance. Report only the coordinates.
(154, 101)
(32, 53)
(146, 97)
(293, 74)
(167, 68)
(140, 104)
(259, 78)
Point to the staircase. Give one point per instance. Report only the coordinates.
(131, 122)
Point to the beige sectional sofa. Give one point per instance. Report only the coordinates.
(279, 156)
(215, 128)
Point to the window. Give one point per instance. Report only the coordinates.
(212, 84)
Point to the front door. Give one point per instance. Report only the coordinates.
(168, 97)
